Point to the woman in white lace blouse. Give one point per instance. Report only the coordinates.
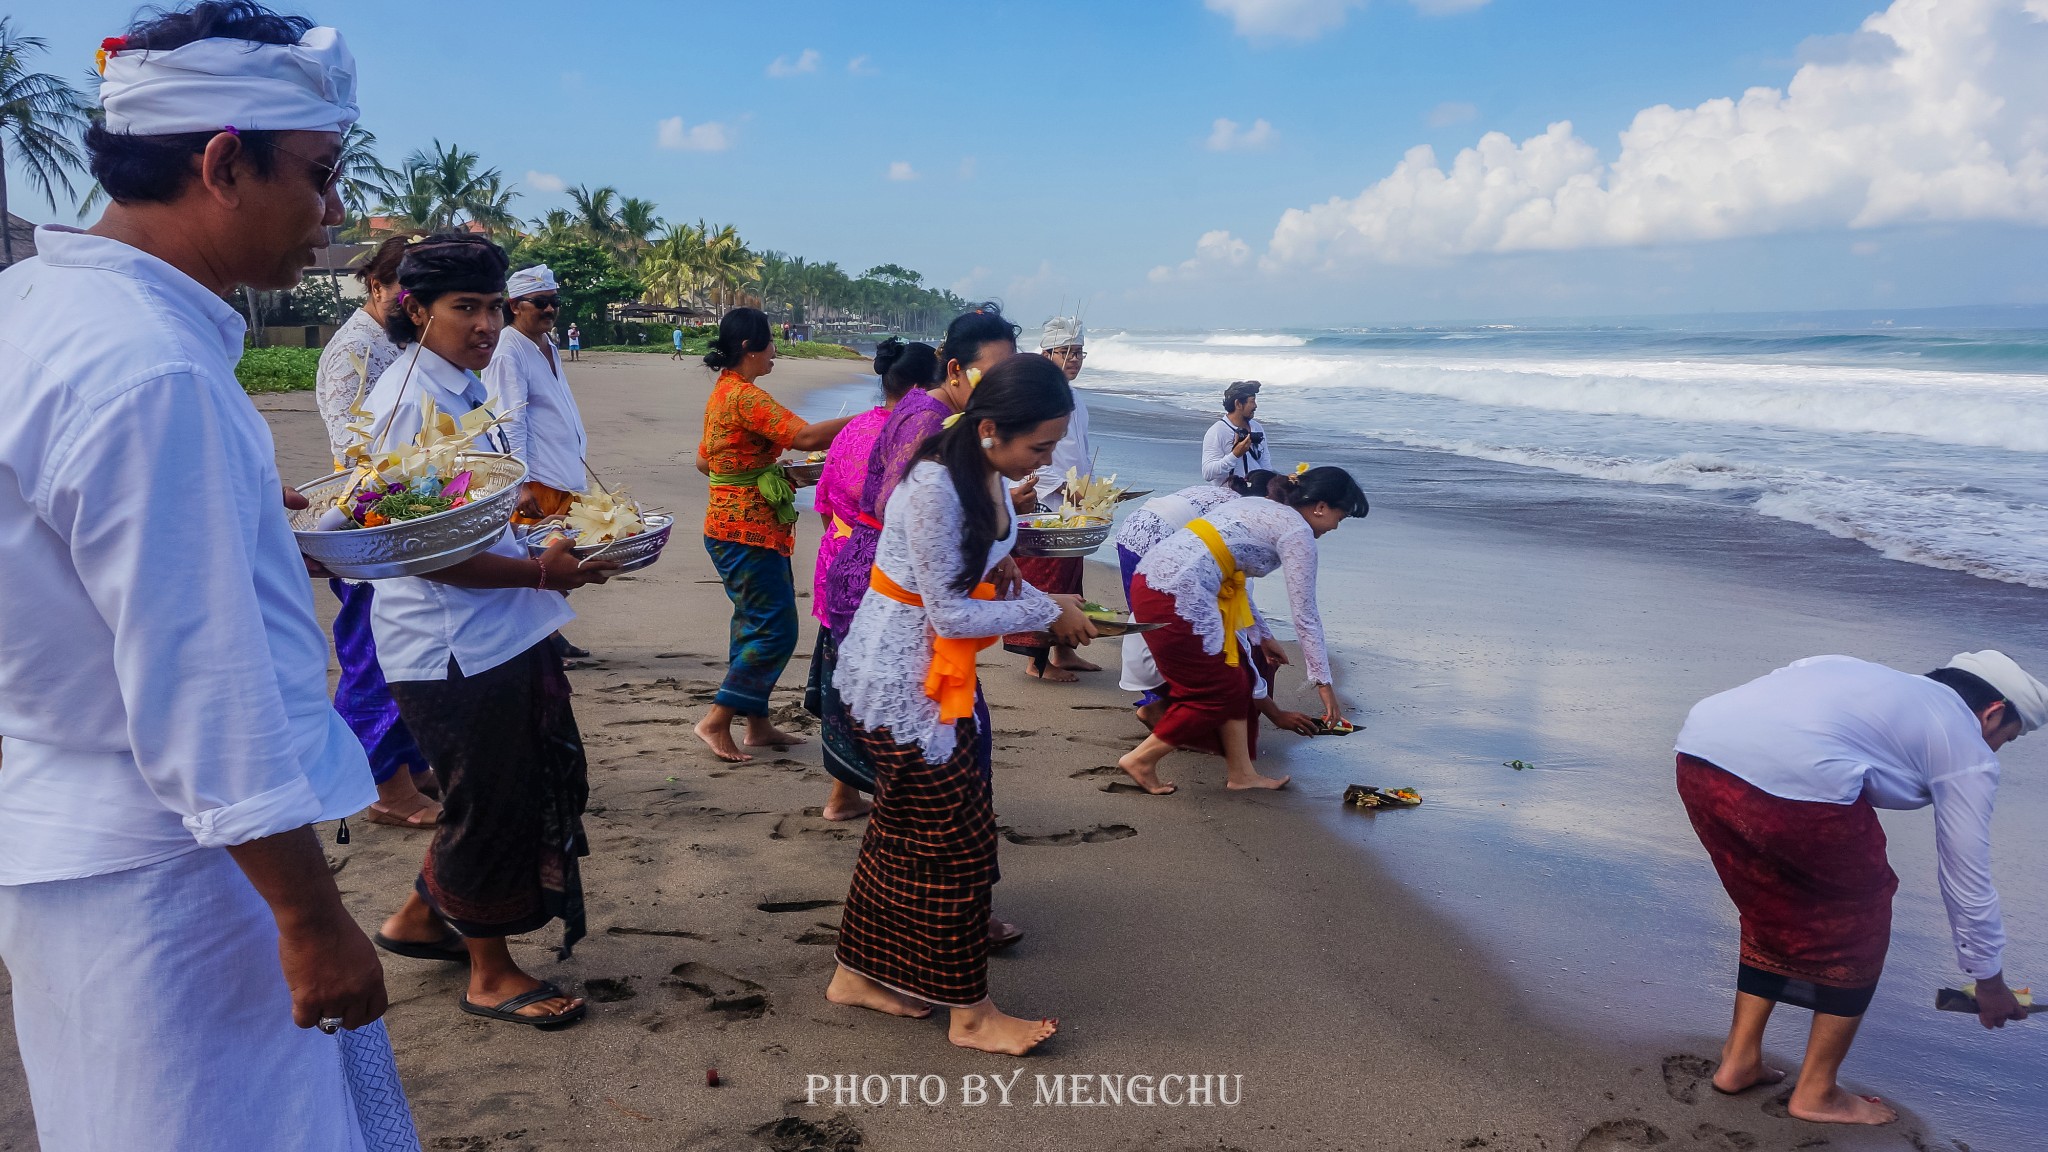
(1194, 583)
(360, 351)
(915, 932)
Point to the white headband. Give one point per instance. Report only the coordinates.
(527, 281)
(209, 85)
(1061, 332)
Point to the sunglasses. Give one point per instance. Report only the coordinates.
(327, 172)
(541, 303)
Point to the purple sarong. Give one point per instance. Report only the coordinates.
(361, 695)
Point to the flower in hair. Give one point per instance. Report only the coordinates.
(1301, 468)
(108, 47)
(949, 421)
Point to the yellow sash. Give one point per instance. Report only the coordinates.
(1232, 600)
(951, 680)
(841, 528)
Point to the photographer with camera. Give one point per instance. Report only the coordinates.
(1236, 446)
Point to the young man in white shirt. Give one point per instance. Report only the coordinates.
(1235, 446)
(167, 915)
(1781, 778)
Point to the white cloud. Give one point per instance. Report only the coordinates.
(806, 61)
(901, 170)
(1452, 112)
(1949, 124)
(969, 286)
(861, 66)
(1226, 136)
(1307, 19)
(1215, 251)
(707, 137)
(544, 181)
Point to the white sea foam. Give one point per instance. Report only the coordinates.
(1251, 340)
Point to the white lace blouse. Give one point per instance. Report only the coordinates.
(888, 651)
(359, 338)
(1162, 516)
(1262, 535)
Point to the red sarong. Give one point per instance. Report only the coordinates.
(1202, 690)
(1054, 575)
(1810, 879)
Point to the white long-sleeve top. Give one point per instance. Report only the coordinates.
(1073, 451)
(1162, 516)
(163, 679)
(544, 428)
(1219, 465)
(888, 651)
(1832, 728)
(360, 339)
(420, 624)
(1262, 535)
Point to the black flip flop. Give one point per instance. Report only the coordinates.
(508, 1010)
(448, 949)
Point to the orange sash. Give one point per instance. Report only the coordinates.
(951, 680)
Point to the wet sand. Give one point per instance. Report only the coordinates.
(1333, 961)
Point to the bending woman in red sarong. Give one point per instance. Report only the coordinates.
(1193, 582)
(916, 927)
(1782, 777)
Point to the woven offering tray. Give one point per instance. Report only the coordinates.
(417, 546)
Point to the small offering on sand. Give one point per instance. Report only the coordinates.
(1335, 728)
(1517, 765)
(1367, 796)
(1964, 999)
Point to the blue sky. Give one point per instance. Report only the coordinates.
(1053, 151)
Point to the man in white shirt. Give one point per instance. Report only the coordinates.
(1235, 446)
(1063, 341)
(166, 913)
(1781, 778)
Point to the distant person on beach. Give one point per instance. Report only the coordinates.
(575, 343)
(1194, 584)
(468, 654)
(1782, 778)
(915, 931)
(678, 354)
(749, 527)
(170, 926)
(1236, 444)
(903, 368)
(1062, 341)
(351, 362)
(1153, 524)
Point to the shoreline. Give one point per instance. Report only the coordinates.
(1203, 933)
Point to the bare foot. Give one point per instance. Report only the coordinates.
(993, 1031)
(1147, 775)
(857, 991)
(1257, 781)
(1151, 714)
(1730, 1080)
(718, 738)
(1050, 673)
(766, 735)
(848, 809)
(1072, 661)
(1840, 1107)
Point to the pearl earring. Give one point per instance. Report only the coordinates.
(988, 442)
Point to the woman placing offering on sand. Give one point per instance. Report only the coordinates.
(749, 526)
(466, 651)
(1194, 584)
(1782, 778)
(904, 368)
(915, 929)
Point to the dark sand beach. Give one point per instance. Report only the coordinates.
(1532, 960)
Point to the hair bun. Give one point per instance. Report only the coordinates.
(887, 353)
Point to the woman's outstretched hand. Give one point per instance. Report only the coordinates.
(1073, 628)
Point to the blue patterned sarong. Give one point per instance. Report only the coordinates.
(361, 696)
(762, 588)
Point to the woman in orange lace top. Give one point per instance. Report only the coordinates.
(749, 526)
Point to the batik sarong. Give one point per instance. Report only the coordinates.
(1053, 575)
(763, 637)
(845, 758)
(1810, 881)
(917, 912)
(505, 747)
(361, 696)
(1203, 691)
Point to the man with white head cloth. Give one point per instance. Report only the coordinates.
(544, 428)
(1063, 341)
(1781, 778)
(167, 917)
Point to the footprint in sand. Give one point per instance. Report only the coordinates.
(1723, 1139)
(1105, 770)
(677, 933)
(791, 1134)
(1100, 742)
(822, 934)
(813, 827)
(1686, 1076)
(1621, 1136)
(781, 906)
(1095, 835)
(733, 997)
(609, 989)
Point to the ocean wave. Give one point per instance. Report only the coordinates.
(1252, 340)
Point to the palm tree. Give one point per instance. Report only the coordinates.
(40, 115)
(491, 205)
(636, 222)
(362, 174)
(594, 212)
(446, 187)
(674, 269)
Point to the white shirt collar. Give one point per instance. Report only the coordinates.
(63, 247)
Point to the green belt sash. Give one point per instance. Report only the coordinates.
(770, 482)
